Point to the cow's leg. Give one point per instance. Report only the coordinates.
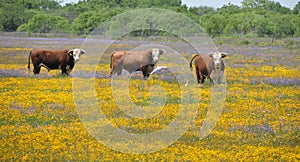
(150, 68)
(144, 69)
(212, 81)
(112, 70)
(70, 68)
(202, 78)
(117, 69)
(198, 75)
(64, 69)
(146, 75)
(36, 69)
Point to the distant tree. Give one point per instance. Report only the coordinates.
(276, 6)
(262, 25)
(265, 4)
(41, 4)
(88, 21)
(296, 9)
(69, 12)
(45, 23)
(261, 17)
(115, 30)
(11, 16)
(213, 24)
(253, 3)
(282, 26)
(202, 10)
(229, 9)
(234, 24)
(142, 25)
(80, 25)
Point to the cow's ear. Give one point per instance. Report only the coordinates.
(211, 54)
(162, 51)
(82, 51)
(70, 52)
(223, 54)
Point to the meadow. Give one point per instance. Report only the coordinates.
(260, 120)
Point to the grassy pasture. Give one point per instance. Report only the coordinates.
(259, 122)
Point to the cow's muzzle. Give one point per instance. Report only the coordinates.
(76, 60)
(217, 66)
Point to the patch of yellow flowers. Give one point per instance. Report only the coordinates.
(260, 122)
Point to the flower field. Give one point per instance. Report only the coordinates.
(260, 120)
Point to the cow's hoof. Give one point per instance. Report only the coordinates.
(200, 85)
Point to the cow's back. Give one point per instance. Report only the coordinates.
(135, 60)
(208, 61)
(48, 53)
(138, 57)
(37, 55)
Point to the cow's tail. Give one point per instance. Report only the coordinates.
(191, 62)
(110, 65)
(111, 56)
(28, 66)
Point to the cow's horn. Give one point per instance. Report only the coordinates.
(70, 52)
(162, 51)
(211, 54)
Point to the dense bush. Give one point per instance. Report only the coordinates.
(258, 17)
(45, 23)
(231, 19)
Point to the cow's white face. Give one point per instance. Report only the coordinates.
(217, 58)
(156, 53)
(76, 53)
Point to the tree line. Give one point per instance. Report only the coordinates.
(254, 17)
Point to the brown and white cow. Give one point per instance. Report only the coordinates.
(209, 66)
(139, 61)
(54, 59)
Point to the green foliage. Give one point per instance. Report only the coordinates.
(282, 26)
(11, 16)
(214, 24)
(296, 9)
(262, 17)
(41, 4)
(151, 22)
(45, 23)
(266, 5)
(202, 10)
(86, 22)
(256, 17)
